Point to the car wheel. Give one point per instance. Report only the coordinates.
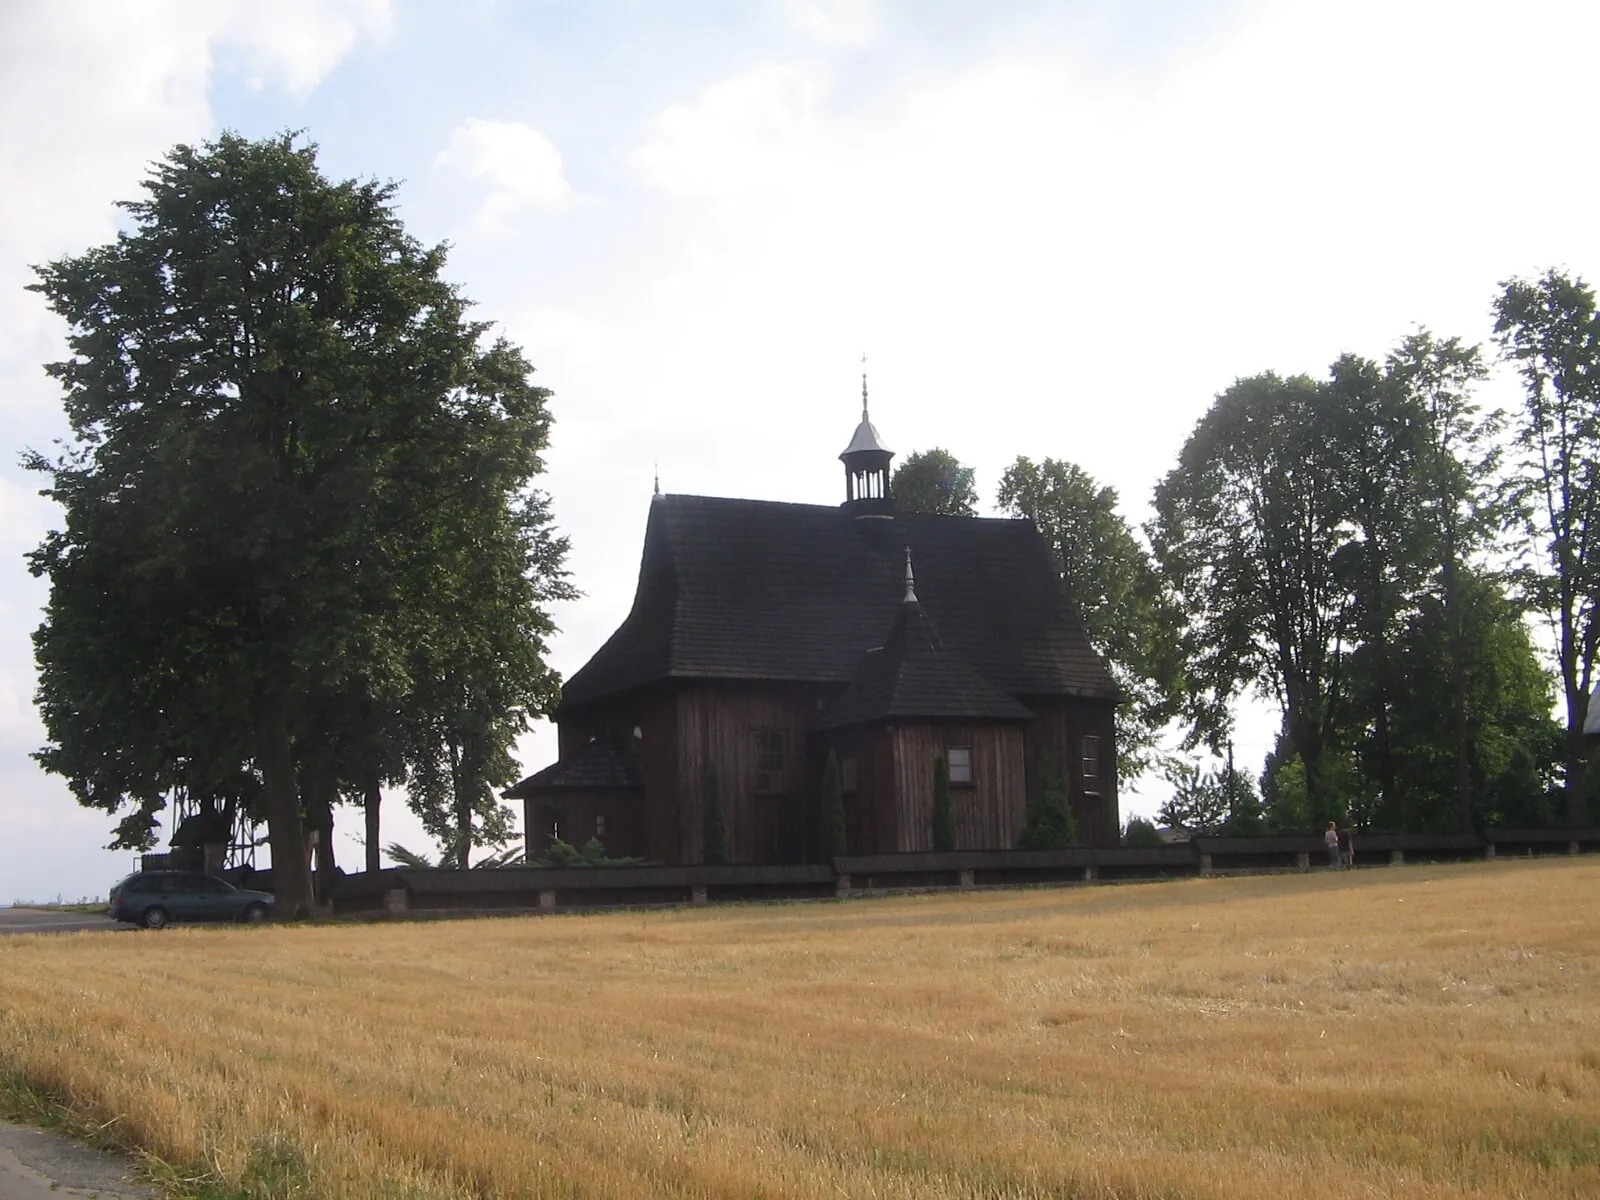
(155, 917)
(254, 914)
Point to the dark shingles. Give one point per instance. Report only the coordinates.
(752, 589)
(598, 766)
(914, 675)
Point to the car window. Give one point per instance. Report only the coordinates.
(166, 884)
(201, 883)
(137, 883)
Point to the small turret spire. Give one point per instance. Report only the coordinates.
(657, 494)
(864, 391)
(911, 581)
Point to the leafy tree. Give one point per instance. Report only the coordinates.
(1550, 329)
(1126, 607)
(1048, 823)
(1139, 834)
(934, 481)
(713, 825)
(270, 389)
(1199, 800)
(1456, 511)
(833, 822)
(1248, 530)
(1514, 745)
(944, 813)
(1215, 801)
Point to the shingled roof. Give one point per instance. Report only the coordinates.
(754, 589)
(596, 767)
(914, 675)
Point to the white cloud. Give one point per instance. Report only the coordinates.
(520, 165)
(752, 135)
(844, 22)
(297, 42)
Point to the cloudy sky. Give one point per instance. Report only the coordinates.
(1056, 229)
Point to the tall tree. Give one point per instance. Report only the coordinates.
(262, 371)
(934, 481)
(1549, 328)
(1454, 512)
(1248, 529)
(1126, 607)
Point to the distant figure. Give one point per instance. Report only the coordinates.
(1331, 841)
(1347, 848)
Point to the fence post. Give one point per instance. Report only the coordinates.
(394, 901)
(1205, 864)
(1302, 860)
(841, 886)
(1397, 858)
(1488, 851)
(547, 900)
(697, 894)
(964, 878)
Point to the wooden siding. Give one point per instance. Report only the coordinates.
(989, 813)
(652, 711)
(1063, 721)
(575, 815)
(718, 723)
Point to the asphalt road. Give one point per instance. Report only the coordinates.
(44, 920)
(38, 1165)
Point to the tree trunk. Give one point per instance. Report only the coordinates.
(291, 881)
(374, 798)
(1577, 782)
(462, 850)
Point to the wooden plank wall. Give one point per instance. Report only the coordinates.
(1062, 723)
(718, 723)
(988, 814)
(652, 711)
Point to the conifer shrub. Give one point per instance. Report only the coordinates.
(714, 826)
(833, 822)
(1049, 824)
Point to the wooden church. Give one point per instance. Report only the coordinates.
(764, 636)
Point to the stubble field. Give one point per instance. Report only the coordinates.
(1420, 1032)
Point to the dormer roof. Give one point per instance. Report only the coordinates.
(915, 676)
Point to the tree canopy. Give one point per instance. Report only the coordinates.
(1125, 604)
(298, 487)
(934, 481)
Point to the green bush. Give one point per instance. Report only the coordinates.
(833, 823)
(1139, 834)
(1049, 824)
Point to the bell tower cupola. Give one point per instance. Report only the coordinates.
(866, 469)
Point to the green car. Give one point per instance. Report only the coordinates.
(155, 899)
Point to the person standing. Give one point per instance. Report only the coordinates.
(1331, 841)
(1347, 848)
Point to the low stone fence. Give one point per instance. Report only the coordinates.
(402, 889)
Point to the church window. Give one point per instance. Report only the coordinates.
(960, 758)
(1090, 749)
(771, 761)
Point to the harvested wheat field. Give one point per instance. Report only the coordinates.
(1424, 1031)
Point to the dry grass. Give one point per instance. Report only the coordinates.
(1422, 1032)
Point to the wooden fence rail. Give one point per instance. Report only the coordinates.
(400, 889)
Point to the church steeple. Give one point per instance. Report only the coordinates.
(866, 468)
